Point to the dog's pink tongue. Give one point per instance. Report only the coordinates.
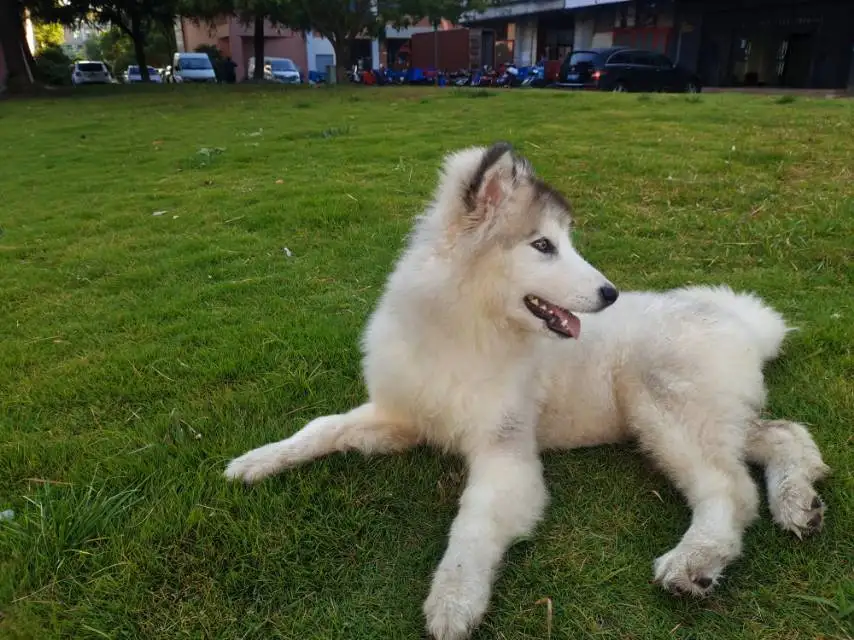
(574, 326)
(570, 325)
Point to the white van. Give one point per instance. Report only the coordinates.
(191, 67)
(277, 70)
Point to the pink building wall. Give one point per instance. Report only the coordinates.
(236, 40)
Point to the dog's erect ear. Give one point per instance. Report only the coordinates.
(476, 182)
(493, 179)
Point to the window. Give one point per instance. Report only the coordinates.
(323, 61)
(282, 64)
(582, 57)
(662, 62)
(195, 64)
(642, 58)
(620, 58)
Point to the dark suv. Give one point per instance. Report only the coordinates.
(624, 69)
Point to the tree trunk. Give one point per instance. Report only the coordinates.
(258, 41)
(25, 47)
(341, 45)
(169, 34)
(16, 52)
(436, 52)
(138, 38)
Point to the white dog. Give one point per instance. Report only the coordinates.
(482, 345)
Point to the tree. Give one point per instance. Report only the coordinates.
(342, 21)
(93, 49)
(248, 12)
(116, 49)
(137, 19)
(52, 64)
(20, 66)
(48, 34)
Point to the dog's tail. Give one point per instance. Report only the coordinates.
(767, 326)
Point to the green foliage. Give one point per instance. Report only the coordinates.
(140, 20)
(53, 66)
(116, 49)
(48, 34)
(92, 49)
(280, 12)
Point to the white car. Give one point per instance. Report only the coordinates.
(191, 67)
(90, 72)
(277, 70)
(133, 75)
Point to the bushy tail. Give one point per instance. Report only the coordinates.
(766, 325)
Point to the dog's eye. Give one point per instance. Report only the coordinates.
(544, 245)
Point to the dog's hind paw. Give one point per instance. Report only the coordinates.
(796, 507)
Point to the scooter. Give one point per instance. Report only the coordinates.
(536, 77)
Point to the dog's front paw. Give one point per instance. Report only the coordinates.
(257, 464)
(455, 605)
(690, 570)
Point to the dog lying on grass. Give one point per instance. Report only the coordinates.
(495, 339)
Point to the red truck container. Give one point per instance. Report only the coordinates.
(457, 49)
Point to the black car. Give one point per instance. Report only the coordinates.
(625, 69)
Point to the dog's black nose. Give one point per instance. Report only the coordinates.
(608, 294)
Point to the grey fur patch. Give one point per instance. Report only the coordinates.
(509, 427)
(547, 194)
(544, 195)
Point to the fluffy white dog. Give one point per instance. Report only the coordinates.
(495, 339)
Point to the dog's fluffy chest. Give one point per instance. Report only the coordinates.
(459, 397)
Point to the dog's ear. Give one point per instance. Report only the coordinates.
(492, 182)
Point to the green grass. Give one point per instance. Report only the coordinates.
(140, 352)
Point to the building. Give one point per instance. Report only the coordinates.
(776, 43)
(319, 52)
(531, 31)
(311, 52)
(77, 36)
(236, 41)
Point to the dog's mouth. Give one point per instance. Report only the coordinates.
(557, 319)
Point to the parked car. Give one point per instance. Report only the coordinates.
(277, 70)
(190, 67)
(625, 69)
(132, 74)
(90, 72)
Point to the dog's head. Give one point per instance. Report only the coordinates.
(497, 216)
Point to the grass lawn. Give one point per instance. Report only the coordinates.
(185, 273)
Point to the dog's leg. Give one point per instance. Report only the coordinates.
(503, 499)
(703, 458)
(792, 464)
(366, 429)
